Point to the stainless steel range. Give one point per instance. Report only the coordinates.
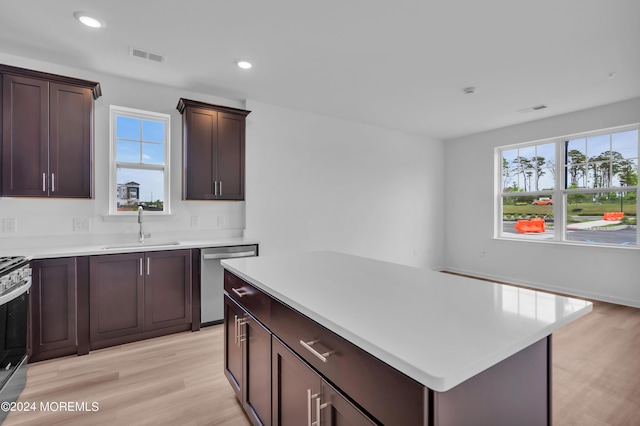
(15, 282)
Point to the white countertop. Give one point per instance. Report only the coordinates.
(440, 329)
(72, 247)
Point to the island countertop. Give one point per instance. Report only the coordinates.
(439, 329)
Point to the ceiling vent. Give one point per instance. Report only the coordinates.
(143, 54)
(533, 108)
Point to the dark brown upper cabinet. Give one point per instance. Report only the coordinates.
(47, 134)
(213, 151)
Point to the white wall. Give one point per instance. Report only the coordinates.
(604, 273)
(47, 220)
(316, 183)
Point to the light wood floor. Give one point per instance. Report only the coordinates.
(178, 379)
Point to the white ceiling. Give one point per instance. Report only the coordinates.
(401, 64)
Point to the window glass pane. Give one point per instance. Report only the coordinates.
(544, 163)
(625, 143)
(509, 175)
(127, 128)
(625, 173)
(576, 150)
(152, 153)
(152, 131)
(140, 187)
(598, 147)
(127, 151)
(599, 175)
(602, 217)
(527, 216)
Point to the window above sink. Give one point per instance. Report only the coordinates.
(139, 161)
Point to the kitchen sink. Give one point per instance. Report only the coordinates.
(140, 245)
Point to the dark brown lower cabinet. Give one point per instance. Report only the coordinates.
(248, 361)
(53, 308)
(302, 397)
(138, 295)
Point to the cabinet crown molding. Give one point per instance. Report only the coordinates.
(93, 85)
(184, 103)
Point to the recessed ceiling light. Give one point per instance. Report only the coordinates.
(89, 21)
(469, 91)
(245, 65)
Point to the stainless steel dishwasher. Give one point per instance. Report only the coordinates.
(212, 280)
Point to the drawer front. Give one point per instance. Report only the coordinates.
(253, 300)
(386, 394)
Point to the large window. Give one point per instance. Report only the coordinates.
(139, 161)
(577, 189)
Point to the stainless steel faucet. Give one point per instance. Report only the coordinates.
(141, 234)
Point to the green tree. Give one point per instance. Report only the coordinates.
(576, 166)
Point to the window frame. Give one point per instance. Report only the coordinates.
(114, 112)
(560, 193)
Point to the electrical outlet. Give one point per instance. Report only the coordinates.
(222, 221)
(81, 224)
(10, 225)
(195, 221)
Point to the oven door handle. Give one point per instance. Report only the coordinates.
(16, 292)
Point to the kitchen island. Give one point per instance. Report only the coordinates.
(388, 343)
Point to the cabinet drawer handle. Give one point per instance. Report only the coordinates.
(241, 292)
(321, 356)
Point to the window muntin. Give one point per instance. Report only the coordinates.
(139, 161)
(592, 201)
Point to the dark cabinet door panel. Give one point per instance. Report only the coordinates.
(71, 112)
(293, 386)
(167, 289)
(230, 155)
(25, 136)
(257, 398)
(232, 345)
(116, 296)
(53, 303)
(200, 139)
(338, 411)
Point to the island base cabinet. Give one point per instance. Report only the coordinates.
(248, 362)
(301, 397)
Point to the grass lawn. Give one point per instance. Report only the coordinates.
(574, 209)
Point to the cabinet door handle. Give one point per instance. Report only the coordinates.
(53, 182)
(215, 188)
(319, 406)
(309, 414)
(235, 329)
(148, 266)
(240, 334)
(44, 182)
(220, 188)
(321, 356)
(140, 266)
